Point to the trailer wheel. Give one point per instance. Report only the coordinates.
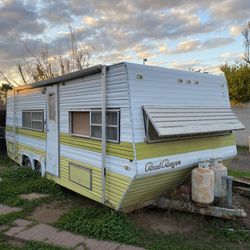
(26, 162)
(38, 166)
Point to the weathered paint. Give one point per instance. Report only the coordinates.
(203, 185)
(221, 212)
(220, 187)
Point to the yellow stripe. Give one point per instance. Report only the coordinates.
(143, 150)
(122, 150)
(31, 149)
(154, 150)
(28, 132)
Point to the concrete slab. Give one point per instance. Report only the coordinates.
(126, 247)
(101, 245)
(6, 209)
(24, 230)
(21, 222)
(20, 225)
(33, 196)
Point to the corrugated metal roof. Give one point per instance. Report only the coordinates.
(191, 120)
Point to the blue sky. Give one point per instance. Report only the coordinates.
(177, 34)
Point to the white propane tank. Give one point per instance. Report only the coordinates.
(203, 184)
(220, 187)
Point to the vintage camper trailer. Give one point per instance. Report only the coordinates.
(121, 134)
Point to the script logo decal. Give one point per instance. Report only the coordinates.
(163, 164)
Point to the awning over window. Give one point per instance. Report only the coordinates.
(191, 120)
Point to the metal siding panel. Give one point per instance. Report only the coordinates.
(30, 99)
(145, 189)
(85, 93)
(114, 164)
(116, 184)
(159, 87)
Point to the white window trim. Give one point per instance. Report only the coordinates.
(35, 120)
(96, 124)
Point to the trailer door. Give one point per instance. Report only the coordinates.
(52, 161)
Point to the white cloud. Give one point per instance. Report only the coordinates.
(163, 48)
(235, 30)
(197, 44)
(187, 46)
(90, 21)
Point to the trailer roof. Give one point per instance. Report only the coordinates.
(70, 76)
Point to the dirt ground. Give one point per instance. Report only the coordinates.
(49, 213)
(241, 161)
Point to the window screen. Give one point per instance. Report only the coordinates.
(89, 123)
(32, 120)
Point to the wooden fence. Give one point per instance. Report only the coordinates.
(2, 131)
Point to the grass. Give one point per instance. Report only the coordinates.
(15, 180)
(238, 173)
(100, 223)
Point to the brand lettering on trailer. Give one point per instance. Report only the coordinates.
(163, 164)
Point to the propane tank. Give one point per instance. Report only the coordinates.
(220, 188)
(203, 184)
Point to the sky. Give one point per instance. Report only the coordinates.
(199, 35)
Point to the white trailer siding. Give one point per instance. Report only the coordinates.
(85, 93)
(160, 86)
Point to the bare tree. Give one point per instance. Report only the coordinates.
(246, 37)
(34, 67)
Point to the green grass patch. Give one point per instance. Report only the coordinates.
(238, 173)
(228, 231)
(20, 180)
(242, 149)
(100, 223)
(6, 162)
(34, 245)
(6, 219)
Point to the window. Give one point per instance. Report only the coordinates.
(52, 107)
(80, 123)
(89, 124)
(32, 120)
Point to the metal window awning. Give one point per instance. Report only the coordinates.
(191, 120)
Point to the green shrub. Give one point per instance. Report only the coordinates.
(238, 79)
